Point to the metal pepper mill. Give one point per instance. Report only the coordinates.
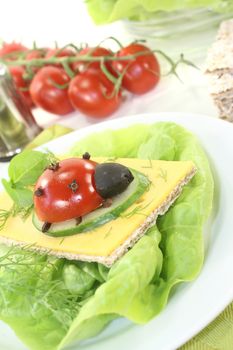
(17, 123)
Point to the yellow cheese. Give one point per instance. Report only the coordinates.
(104, 240)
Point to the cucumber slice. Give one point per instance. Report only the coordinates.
(101, 215)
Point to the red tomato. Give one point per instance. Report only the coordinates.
(34, 54)
(143, 72)
(68, 192)
(90, 92)
(46, 95)
(10, 48)
(17, 75)
(95, 52)
(56, 52)
(64, 53)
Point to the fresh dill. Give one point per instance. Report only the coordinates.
(108, 233)
(112, 159)
(27, 278)
(62, 240)
(12, 212)
(4, 216)
(23, 212)
(138, 210)
(162, 174)
(150, 166)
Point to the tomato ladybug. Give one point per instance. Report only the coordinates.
(74, 187)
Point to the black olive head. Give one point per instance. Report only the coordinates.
(112, 179)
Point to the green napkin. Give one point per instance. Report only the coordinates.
(216, 336)
(48, 134)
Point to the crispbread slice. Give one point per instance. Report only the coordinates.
(219, 70)
(109, 242)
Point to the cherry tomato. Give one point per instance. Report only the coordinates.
(21, 84)
(56, 52)
(67, 192)
(92, 93)
(47, 95)
(94, 52)
(143, 72)
(59, 53)
(34, 54)
(8, 50)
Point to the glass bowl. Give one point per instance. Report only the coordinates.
(184, 31)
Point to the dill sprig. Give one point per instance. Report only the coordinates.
(162, 174)
(149, 166)
(29, 276)
(108, 233)
(111, 159)
(4, 216)
(15, 210)
(138, 210)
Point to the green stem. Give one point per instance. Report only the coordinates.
(106, 71)
(113, 39)
(68, 70)
(59, 86)
(87, 58)
(56, 54)
(82, 58)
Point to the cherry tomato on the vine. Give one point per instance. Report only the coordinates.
(8, 49)
(67, 192)
(59, 53)
(49, 90)
(92, 93)
(143, 71)
(66, 52)
(37, 53)
(21, 83)
(94, 52)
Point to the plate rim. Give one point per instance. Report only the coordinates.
(129, 120)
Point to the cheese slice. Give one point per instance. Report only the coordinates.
(107, 243)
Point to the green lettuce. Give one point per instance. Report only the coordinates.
(51, 302)
(105, 11)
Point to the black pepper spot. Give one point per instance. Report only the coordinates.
(73, 186)
(107, 203)
(54, 166)
(86, 155)
(39, 192)
(46, 226)
(78, 220)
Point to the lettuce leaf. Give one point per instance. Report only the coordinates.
(112, 143)
(105, 11)
(125, 280)
(50, 302)
(181, 228)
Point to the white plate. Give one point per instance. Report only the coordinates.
(195, 304)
